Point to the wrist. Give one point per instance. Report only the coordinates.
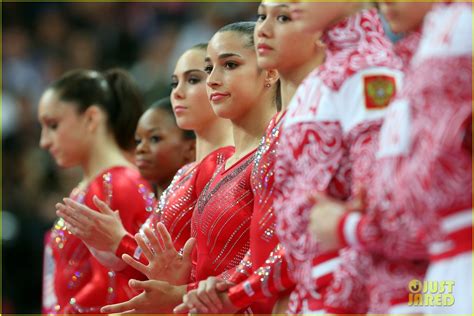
(116, 241)
(179, 291)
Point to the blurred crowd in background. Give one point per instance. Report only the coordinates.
(41, 41)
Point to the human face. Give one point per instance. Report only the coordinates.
(190, 103)
(274, 30)
(160, 146)
(405, 17)
(235, 83)
(318, 16)
(64, 131)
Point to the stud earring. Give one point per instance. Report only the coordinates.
(268, 85)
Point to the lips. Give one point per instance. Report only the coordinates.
(263, 48)
(179, 109)
(141, 162)
(53, 153)
(218, 96)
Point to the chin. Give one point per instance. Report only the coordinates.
(185, 124)
(222, 112)
(266, 64)
(64, 165)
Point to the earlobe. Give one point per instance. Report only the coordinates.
(318, 40)
(272, 77)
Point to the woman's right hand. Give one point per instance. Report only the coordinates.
(101, 230)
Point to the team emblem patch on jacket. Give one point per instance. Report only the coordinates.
(379, 91)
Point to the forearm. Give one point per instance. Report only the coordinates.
(268, 281)
(243, 270)
(374, 234)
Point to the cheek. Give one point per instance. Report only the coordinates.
(166, 151)
(159, 152)
(198, 93)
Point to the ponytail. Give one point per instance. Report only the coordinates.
(114, 92)
(127, 109)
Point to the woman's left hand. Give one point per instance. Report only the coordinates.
(164, 262)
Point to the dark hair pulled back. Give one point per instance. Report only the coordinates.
(114, 91)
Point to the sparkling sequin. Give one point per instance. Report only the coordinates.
(262, 179)
(69, 253)
(221, 221)
(175, 207)
(148, 196)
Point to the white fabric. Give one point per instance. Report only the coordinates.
(350, 104)
(325, 267)
(395, 133)
(459, 270)
(449, 32)
(350, 229)
(457, 221)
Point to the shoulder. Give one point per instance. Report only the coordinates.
(121, 184)
(447, 32)
(216, 157)
(124, 177)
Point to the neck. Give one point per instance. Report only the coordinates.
(291, 79)
(249, 129)
(104, 154)
(215, 135)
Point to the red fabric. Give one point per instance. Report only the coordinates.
(433, 172)
(176, 204)
(382, 261)
(424, 174)
(221, 220)
(262, 276)
(323, 148)
(438, 182)
(76, 282)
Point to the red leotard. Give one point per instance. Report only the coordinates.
(74, 281)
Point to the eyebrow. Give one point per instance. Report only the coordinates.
(273, 5)
(224, 56)
(152, 130)
(187, 72)
(192, 70)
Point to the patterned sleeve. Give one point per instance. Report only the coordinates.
(243, 270)
(369, 232)
(309, 154)
(268, 281)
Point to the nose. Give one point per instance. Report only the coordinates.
(263, 29)
(142, 147)
(45, 139)
(213, 79)
(178, 92)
